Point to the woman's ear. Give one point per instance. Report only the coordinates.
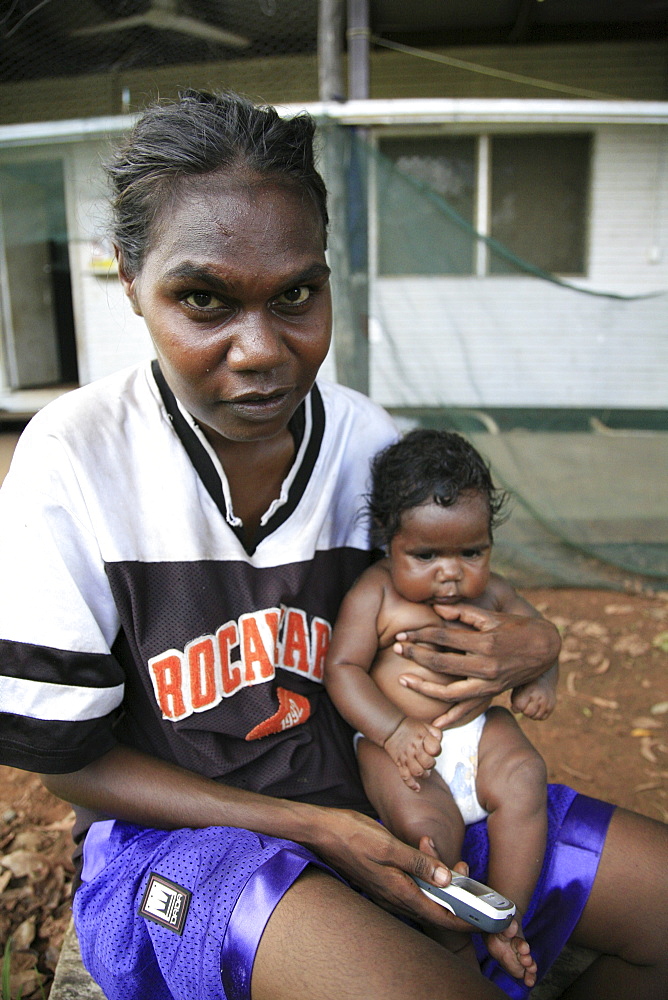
(128, 283)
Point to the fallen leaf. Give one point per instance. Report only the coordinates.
(62, 824)
(21, 863)
(646, 749)
(649, 786)
(639, 731)
(600, 702)
(619, 609)
(602, 667)
(24, 935)
(660, 708)
(645, 722)
(661, 641)
(591, 629)
(632, 645)
(576, 774)
(591, 698)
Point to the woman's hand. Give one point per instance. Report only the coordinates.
(501, 651)
(371, 859)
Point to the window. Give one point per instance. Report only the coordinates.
(528, 192)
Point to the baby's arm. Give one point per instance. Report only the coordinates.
(411, 743)
(537, 699)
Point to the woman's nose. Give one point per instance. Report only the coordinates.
(257, 343)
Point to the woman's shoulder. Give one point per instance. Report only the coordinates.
(103, 405)
(82, 426)
(350, 411)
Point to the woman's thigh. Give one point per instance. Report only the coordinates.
(627, 911)
(326, 942)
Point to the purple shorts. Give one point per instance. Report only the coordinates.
(180, 913)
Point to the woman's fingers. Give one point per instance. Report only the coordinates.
(372, 859)
(505, 650)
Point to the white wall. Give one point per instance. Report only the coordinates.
(521, 341)
(109, 335)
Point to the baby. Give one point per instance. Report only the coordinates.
(433, 508)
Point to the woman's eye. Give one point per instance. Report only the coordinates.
(202, 300)
(295, 296)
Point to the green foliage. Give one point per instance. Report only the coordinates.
(6, 971)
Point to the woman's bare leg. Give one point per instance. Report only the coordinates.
(626, 916)
(326, 942)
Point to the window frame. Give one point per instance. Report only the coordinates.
(482, 206)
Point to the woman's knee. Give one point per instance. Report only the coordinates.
(325, 940)
(627, 911)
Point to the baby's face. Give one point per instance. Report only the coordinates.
(440, 555)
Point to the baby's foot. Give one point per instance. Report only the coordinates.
(514, 955)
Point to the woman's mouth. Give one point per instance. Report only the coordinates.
(259, 404)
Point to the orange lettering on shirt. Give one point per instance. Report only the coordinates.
(322, 632)
(293, 709)
(201, 659)
(257, 663)
(295, 642)
(230, 673)
(167, 677)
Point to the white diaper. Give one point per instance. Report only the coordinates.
(457, 764)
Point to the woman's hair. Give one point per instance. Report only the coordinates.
(197, 134)
(424, 466)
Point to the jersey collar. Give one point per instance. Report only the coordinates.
(307, 427)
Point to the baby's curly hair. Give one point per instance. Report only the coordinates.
(428, 465)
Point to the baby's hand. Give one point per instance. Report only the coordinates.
(535, 700)
(414, 746)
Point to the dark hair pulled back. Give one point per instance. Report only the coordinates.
(424, 466)
(200, 133)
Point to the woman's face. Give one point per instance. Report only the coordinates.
(234, 289)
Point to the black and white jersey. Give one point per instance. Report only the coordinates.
(131, 612)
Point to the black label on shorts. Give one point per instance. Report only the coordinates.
(166, 903)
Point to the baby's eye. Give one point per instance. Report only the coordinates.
(472, 553)
(202, 300)
(295, 296)
(424, 556)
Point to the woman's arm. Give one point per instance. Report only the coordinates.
(132, 786)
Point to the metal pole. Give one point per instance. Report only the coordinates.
(358, 49)
(330, 50)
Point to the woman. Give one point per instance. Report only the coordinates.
(176, 542)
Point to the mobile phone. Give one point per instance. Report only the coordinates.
(472, 901)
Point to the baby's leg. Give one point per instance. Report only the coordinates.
(411, 816)
(512, 786)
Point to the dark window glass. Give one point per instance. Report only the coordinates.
(419, 233)
(539, 201)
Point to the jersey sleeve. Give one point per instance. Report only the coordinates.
(60, 685)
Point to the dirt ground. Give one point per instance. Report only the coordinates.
(608, 737)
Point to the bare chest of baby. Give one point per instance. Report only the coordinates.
(398, 615)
